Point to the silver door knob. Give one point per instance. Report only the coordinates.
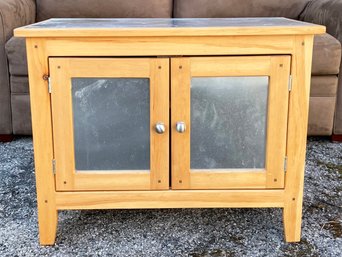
(160, 127)
(180, 126)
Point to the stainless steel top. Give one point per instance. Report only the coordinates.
(167, 27)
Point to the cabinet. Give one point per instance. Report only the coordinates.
(169, 113)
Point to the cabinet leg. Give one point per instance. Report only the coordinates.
(296, 137)
(292, 218)
(47, 223)
(42, 140)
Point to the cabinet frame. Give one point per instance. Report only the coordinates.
(299, 45)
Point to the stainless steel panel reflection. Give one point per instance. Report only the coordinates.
(111, 123)
(228, 122)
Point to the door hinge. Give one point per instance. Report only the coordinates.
(285, 164)
(54, 166)
(290, 82)
(49, 85)
(48, 80)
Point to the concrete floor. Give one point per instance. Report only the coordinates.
(182, 232)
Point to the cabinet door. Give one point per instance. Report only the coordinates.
(229, 121)
(105, 112)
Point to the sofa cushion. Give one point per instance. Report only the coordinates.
(19, 84)
(238, 8)
(21, 114)
(13, 14)
(321, 116)
(324, 86)
(103, 9)
(326, 55)
(5, 101)
(16, 55)
(322, 105)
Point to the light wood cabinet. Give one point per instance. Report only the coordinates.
(176, 113)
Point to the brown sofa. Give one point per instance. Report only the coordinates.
(325, 116)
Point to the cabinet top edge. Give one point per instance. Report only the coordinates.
(147, 27)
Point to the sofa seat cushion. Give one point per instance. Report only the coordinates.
(16, 55)
(324, 86)
(238, 8)
(103, 9)
(322, 105)
(321, 116)
(326, 55)
(21, 114)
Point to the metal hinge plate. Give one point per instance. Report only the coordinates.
(285, 164)
(49, 85)
(290, 82)
(54, 166)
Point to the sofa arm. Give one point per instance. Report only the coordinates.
(13, 14)
(327, 13)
